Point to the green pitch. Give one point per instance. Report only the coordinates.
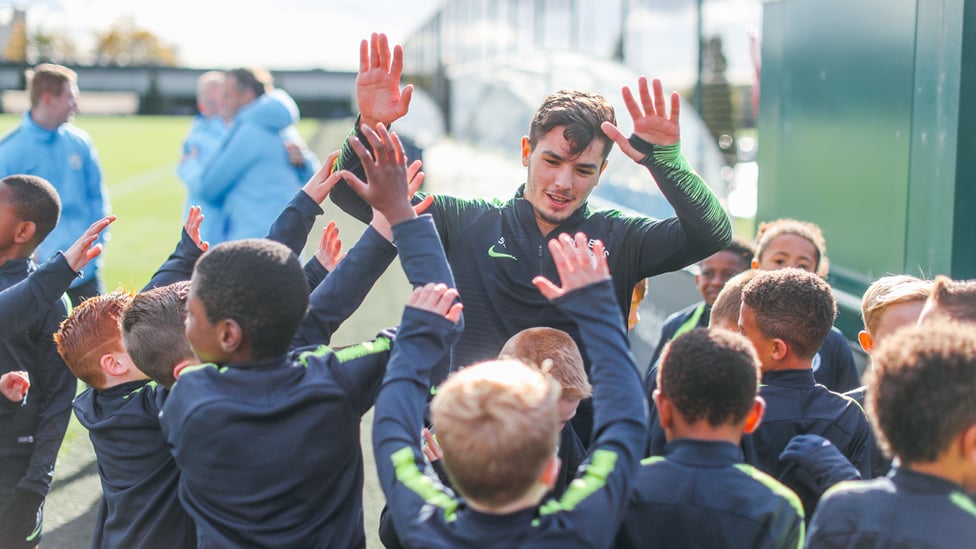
(138, 155)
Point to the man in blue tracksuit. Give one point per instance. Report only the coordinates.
(47, 145)
(207, 132)
(496, 248)
(251, 176)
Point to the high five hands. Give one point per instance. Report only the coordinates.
(576, 264)
(378, 90)
(652, 122)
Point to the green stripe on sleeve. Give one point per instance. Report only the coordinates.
(409, 475)
(320, 351)
(600, 467)
(651, 460)
(964, 502)
(777, 488)
(379, 345)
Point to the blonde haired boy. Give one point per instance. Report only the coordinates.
(498, 423)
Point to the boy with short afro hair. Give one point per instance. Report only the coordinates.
(267, 440)
(725, 315)
(922, 398)
(786, 314)
(120, 409)
(30, 437)
(953, 300)
(707, 398)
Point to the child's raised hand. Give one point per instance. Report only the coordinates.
(386, 172)
(437, 299)
(329, 252)
(415, 178)
(576, 264)
(320, 184)
(192, 227)
(14, 385)
(84, 249)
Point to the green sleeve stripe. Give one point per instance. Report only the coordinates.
(319, 352)
(409, 475)
(378, 345)
(600, 467)
(651, 460)
(149, 384)
(669, 158)
(691, 322)
(189, 369)
(964, 502)
(778, 489)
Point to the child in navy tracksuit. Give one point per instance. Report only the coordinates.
(921, 394)
(267, 440)
(700, 493)
(498, 426)
(786, 314)
(31, 433)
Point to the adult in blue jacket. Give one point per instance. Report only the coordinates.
(47, 145)
(254, 173)
(207, 132)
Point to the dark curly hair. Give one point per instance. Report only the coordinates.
(922, 389)
(711, 375)
(259, 284)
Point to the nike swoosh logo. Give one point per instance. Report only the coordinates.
(493, 253)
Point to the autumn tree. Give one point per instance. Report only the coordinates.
(125, 43)
(52, 47)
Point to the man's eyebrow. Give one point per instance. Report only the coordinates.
(555, 156)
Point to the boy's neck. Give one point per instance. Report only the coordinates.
(790, 362)
(15, 253)
(529, 501)
(944, 467)
(702, 430)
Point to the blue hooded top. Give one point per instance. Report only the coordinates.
(249, 176)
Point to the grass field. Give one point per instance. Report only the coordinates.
(138, 157)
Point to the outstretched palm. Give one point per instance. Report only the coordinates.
(378, 82)
(652, 121)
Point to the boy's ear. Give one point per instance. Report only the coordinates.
(780, 349)
(866, 341)
(665, 410)
(111, 365)
(178, 368)
(231, 335)
(550, 473)
(25, 232)
(526, 150)
(968, 440)
(754, 418)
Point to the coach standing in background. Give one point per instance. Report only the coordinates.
(48, 145)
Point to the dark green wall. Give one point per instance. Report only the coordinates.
(866, 127)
